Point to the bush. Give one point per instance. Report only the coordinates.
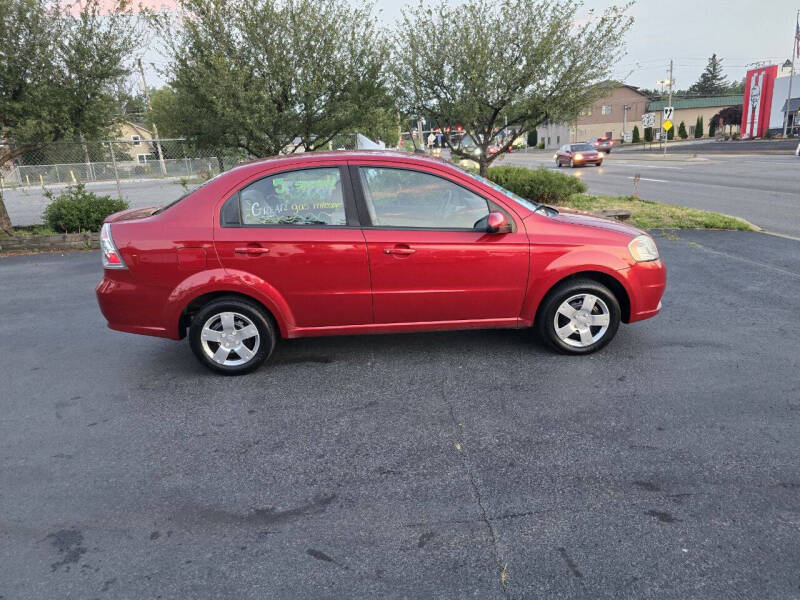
(636, 138)
(682, 131)
(540, 185)
(540, 146)
(75, 210)
(712, 128)
(671, 133)
(698, 128)
(533, 138)
(648, 134)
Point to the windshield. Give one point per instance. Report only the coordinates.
(526, 203)
(581, 147)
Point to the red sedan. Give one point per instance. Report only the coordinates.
(576, 155)
(367, 242)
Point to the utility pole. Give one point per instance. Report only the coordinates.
(669, 103)
(625, 109)
(795, 43)
(155, 127)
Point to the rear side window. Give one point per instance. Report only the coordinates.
(405, 198)
(303, 197)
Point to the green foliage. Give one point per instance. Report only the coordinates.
(481, 73)
(75, 210)
(540, 145)
(698, 127)
(268, 76)
(636, 138)
(682, 131)
(712, 128)
(712, 81)
(60, 68)
(648, 134)
(533, 138)
(671, 133)
(540, 185)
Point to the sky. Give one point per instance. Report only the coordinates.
(740, 32)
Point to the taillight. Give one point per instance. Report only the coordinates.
(111, 257)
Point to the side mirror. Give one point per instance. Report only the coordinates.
(497, 222)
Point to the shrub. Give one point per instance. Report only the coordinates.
(648, 134)
(636, 138)
(698, 127)
(540, 185)
(671, 133)
(540, 146)
(682, 131)
(75, 210)
(533, 138)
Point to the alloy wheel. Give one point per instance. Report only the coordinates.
(230, 339)
(582, 320)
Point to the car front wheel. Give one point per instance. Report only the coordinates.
(232, 336)
(571, 163)
(579, 317)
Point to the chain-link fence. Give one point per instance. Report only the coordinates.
(70, 163)
(131, 160)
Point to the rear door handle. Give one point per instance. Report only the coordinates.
(399, 251)
(251, 250)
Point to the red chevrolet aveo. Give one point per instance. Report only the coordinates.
(367, 242)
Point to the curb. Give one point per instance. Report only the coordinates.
(50, 243)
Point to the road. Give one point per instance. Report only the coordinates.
(410, 466)
(765, 190)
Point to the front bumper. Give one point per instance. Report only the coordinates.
(645, 283)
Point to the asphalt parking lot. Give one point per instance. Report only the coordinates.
(441, 465)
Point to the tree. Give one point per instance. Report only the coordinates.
(648, 134)
(682, 131)
(730, 117)
(712, 128)
(59, 72)
(502, 65)
(671, 133)
(712, 81)
(698, 127)
(636, 138)
(269, 77)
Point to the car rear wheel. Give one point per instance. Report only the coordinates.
(232, 336)
(579, 317)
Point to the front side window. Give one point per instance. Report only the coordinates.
(304, 197)
(404, 198)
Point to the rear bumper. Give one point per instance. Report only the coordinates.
(128, 307)
(645, 283)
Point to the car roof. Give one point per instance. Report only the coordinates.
(342, 156)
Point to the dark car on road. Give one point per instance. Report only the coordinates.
(367, 242)
(578, 155)
(602, 144)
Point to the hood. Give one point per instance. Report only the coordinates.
(131, 214)
(587, 220)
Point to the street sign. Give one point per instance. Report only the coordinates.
(628, 137)
(667, 125)
(669, 112)
(648, 120)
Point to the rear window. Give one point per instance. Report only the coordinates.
(185, 195)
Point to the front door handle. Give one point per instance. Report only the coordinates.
(399, 251)
(251, 250)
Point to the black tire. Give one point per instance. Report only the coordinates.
(571, 163)
(558, 163)
(250, 310)
(545, 318)
(599, 163)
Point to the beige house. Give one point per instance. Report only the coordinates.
(138, 146)
(611, 116)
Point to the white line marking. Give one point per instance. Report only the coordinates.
(627, 164)
(646, 179)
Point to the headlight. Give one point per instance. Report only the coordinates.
(643, 248)
(579, 156)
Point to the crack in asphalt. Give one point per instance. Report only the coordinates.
(458, 429)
